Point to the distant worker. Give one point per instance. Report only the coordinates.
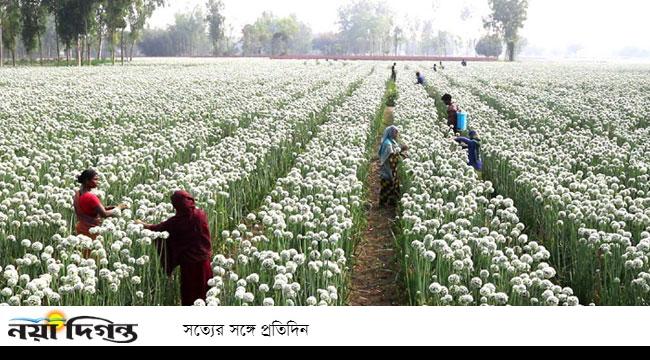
(189, 246)
(390, 154)
(442, 67)
(473, 146)
(393, 75)
(464, 63)
(421, 80)
(435, 67)
(452, 112)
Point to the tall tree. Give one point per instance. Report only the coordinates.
(139, 12)
(428, 38)
(2, 47)
(216, 24)
(398, 37)
(188, 33)
(11, 26)
(53, 7)
(100, 27)
(327, 44)
(365, 26)
(508, 16)
(250, 42)
(272, 35)
(75, 21)
(34, 19)
(116, 12)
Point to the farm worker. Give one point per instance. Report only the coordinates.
(87, 206)
(189, 246)
(435, 68)
(452, 112)
(473, 146)
(442, 67)
(421, 80)
(393, 74)
(464, 63)
(389, 156)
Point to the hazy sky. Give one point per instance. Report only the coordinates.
(601, 26)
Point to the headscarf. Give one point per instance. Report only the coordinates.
(184, 204)
(388, 143)
(388, 147)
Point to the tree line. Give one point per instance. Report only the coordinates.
(365, 27)
(75, 27)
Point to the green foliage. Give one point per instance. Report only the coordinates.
(33, 17)
(216, 24)
(490, 45)
(74, 19)
(186, 37)
(366, 27)
(11, 24)
(508, 16)
(271, 35)
(391, 94)
(139, 12)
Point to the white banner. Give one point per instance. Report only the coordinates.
(248, 326)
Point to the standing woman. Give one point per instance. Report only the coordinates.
(189, 246)
(88, 208)
(389, 156)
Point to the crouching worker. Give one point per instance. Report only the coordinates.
(189, 246)
(473, 146)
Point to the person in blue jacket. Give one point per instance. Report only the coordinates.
(473, 146)
(421, 80)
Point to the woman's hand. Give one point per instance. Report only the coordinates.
(123, 206)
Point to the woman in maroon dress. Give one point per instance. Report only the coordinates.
(189, 246)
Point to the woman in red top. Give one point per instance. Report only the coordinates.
(189, 246)
(88, 207)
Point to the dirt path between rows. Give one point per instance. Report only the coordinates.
(375, 277)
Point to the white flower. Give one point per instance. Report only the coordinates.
(269, 302)
(213, 301)
(466, 299)
(33, 301)
(249, 298)
(430, 256)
